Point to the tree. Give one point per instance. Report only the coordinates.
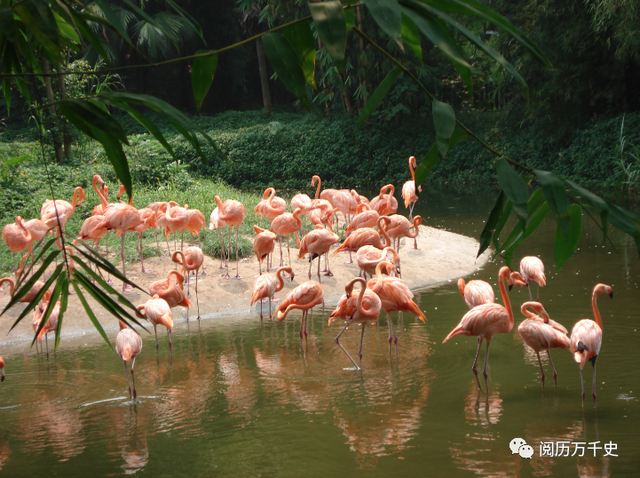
(34, 31)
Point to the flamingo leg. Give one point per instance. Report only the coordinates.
(310, 263)
(133, 378)
(319, 259)
(473, 368)
(157, 242)
(288, 250)
(555, 374)
(197, 300)
(220, 237)
(144, 271)
(156, 332)
(593, 386)
(582, 382)
(182, 242)
(46, 340)
(541, 371)
(337, 339)
(529, 287)
(361, 340)
(204, 273)
(302, 327)
(125, 287)
(281, 262)
(126, 371)
(486, 361)
(170, 344)
(237, 263)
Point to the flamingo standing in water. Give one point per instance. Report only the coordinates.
(586, 338)
(18, 238)
(486, 320)
(304, 297)
(263, 244)
(541, 333)
(268, 284)
(395, 297)
(317, 242)
(232, 212)
(191, 259)
(400, 226)
(158, 312)
(476, 292)
(531, 270)
(128, 346)
(364, 308)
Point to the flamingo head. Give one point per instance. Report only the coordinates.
(600, 289)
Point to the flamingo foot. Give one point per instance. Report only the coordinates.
(146, 271)
(127, 288)
(328, 273)
(275, 299)
(238, 277)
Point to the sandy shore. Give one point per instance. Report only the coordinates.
(441, 256)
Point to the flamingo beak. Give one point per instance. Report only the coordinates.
(2, 374)
(510, 287)
(611, 295)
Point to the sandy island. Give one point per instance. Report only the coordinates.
(441, 256)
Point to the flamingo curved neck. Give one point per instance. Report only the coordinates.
(416, 222)
(505, 298)
(412, 165)
(280, 279)
(103, 199)
(382, 230)
(12, 284)
(596, 312)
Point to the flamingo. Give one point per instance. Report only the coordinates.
(304, 297)
(263, 244)
(98, 210)
(368, 257)
(268, 284)
(232, 212)
(158, 312)
(476, 292)
(147, 220)
(271, 205)
(365, 217)
(409, 192)
(192, 258)
(363, 309)
(122, 217)
(316, 242)
(400, 226)
(29, 296)
(176, 219)
(216, 223)
(322, 197)
(301, 201)
(586, 338)
(541, 333)
(531, 270)
(366, 236)
(1, 369)
(322, 214)
(385, 204)
(171, 292)
(346, 202)
(128, 346)
(155, 207)
(37, 229)
(395, 297)
(18, 238)
(54, 214)
(52, 323)
(486, 320)
(284, 225)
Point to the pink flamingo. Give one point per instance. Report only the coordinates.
(170, 291)
(368, 257)
(346, 202)
(322, 198)
(284, 225)
(366, 236)
(409, 188)
(190, 259)
(176, 219)
(304, 297)
(268, 284)
(147, 220)
(316, 242)
(400, 226)
(271, 205)
(531, 270)
(158, 312)
(216, 223)
(156, 207)
(395, 297)
(29, 296)
(18, 238)
(263, 244)
(541, 333)
(476, 292)
(385, 204)
(51, 324)
(586, 337)
(486, 320)
(232, 212)
(54, 214)
(322, 214)
(363, 309)
(128, 346)
(365, 217)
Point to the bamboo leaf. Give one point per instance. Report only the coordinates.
(378, 95)
(566, 244)
(430, 160)
(202, 72)
(22, 290)
(623, 221)
(537, 218)
(387, 15)
(350, 18)
(151, 127)
(332, 29)
(108, 267)
(63, 308)
(87, 33)
(411, 36)
(300, 38)
(38, 296)
(489, 228)
(594, 201)
(90, 313)
(508, 206)
(51, 305)
(38, 18)
(514, 187)
(284, 60)
(188, 18)
(114, 20)
(92, 114)
(444, 119)
(555, 192)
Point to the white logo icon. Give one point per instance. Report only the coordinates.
(519, 445)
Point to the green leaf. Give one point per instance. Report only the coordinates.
(8, 25)
(284, 60)
(489, 228)
(202, 72)
(508, 206)
(435, 30)
(188, 18)
(88, 35)
(38, 296)
(378, 95)
(537, 218)
(387, 15)
(514, 187)
(63, 308)
(105, 265)
(21, 290)
(38, 18)
(565, 245)
(66, 29)
(555, 192)
(151, 127)
(96, 117)
(90, 313)
(332, 29)
(301, 40)
(444, 119)
(594, 201)
(114, 20)
(625, 222)
(458, 136)
(350, 18)
(411, 36)
(52, 303)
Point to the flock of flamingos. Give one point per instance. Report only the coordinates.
(376, 254)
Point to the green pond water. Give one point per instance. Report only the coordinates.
(241, 400)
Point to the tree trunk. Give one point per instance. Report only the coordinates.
(57, 144)
(264, 77)
(65, 125)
